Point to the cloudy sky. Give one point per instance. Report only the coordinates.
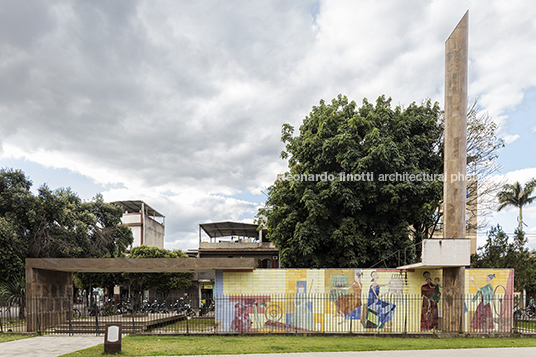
(180, 103)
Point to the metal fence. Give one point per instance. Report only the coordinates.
(292, 313)
(65, 316)
(400, 313)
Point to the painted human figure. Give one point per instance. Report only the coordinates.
(430, 298)
(346, 304)
(303, 316)
(242, 321)
(437, 292)
(483, 318)
(379, 312)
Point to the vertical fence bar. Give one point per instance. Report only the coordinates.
(96, 321)
(351, 317)
(132, 317)
(406, 303)
(514, 317)
(49, 316)
(37, 320)
(461, 306)
(291, 302)
(70, 315)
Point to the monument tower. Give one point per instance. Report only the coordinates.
(454, 194)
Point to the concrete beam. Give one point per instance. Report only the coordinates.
(50, 280)
(148, 265)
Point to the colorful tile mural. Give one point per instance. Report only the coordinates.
(357, 300)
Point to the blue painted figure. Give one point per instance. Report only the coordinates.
(379, 312)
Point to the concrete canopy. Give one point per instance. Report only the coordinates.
(228, 229)
(52, 278)
(147, 265)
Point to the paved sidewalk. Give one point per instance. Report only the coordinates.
(48, 346)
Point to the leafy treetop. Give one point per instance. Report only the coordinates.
(335, 222)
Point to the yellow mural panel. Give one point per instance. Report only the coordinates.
(343, 300)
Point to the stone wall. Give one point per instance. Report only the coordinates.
(48, 294)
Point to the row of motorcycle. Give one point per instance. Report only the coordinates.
(179, 306)
(528, 312)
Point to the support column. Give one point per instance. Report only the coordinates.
(453, 299)
(47, 294)
(456, 56)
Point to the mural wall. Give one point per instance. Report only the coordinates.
(357, 300)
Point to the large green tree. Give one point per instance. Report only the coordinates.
(161, 282)
(54, 224)
(501, 252)
(319, 218)
(517, 196)
(13, 250)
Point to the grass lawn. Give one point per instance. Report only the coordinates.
(198, 345)
(5, 337)
(527, 325)
(13, 323)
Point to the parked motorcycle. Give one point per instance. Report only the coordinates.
(145, 306)
(178, 306)
(93, 310)
(188, 310)
(517, 312)
(163, 309)
(206, 307)
(530, 311)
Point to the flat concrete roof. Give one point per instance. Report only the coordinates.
(229, 229)
(136, 206)
(427, 266)
(147, 265)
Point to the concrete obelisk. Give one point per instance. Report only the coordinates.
(454, 194)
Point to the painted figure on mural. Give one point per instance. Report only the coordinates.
(483, 318)
(437, 292)
(303, 316)
(379, 312)
(348, 305)
(430, 297)
(242, 321)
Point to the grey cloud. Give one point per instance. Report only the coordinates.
(127, 82)
(175, 94)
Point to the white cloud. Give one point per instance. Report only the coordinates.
(182, 102)
(522, 176)
(510, 138)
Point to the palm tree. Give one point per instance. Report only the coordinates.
(515, 195)
(14, 291)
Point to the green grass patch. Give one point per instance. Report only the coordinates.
(139, 345)
(6, 337)
(527, 325)
(14, 323)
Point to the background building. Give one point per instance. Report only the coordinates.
(237, 240)
(231, 240)
(146, 223)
